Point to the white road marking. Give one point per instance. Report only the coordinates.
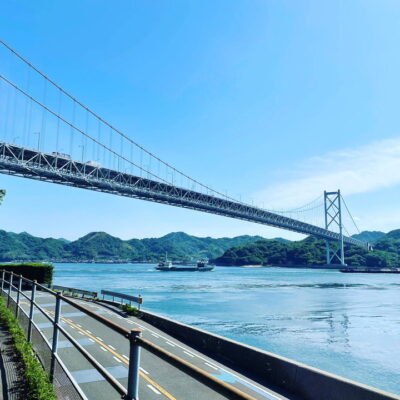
(143, 370)
(211, 366)
(221, 369)
(112, 347)
(103, 348)
(171, 344)
(99, 338)
(80, 326)
(117, 359)
(126, 357)
(153, 334)
(260, 388)
(92, 340)
(80, 333)
(153, 389)
(88, 331)
(189, 354)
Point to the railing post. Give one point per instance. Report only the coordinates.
(55, 334)
(9, 288)
(18, 295)
(3, 275)
(29, 338)
(134, 362)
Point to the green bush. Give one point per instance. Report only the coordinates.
(43, 273)
(39, 385)
(130, 310)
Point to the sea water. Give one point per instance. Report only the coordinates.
(347, 324)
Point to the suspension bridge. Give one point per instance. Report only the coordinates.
(49, 135)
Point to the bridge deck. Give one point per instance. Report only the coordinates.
(32, 164)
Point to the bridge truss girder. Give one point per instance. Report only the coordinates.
(28, 163)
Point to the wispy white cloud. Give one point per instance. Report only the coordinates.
(363, 169)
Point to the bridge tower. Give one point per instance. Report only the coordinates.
(333, 216)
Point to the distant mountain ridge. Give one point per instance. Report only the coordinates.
(100, 246)
(181, 247)
(369, 236)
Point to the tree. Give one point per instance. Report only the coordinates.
(2, 194)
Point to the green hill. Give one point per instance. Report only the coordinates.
(100, 246)
(241, 250)
(369, 236)
(311, 251)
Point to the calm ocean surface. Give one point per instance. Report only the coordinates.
(348, 324)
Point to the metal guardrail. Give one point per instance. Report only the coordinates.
(122, 296)
(63, 289)
(51, 367)
(134, 336)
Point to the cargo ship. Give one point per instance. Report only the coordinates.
(202, 266)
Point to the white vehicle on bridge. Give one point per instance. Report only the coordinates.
(93, 164)
(61, 155)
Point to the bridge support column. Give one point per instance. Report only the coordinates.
(333, 216)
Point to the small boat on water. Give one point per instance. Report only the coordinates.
(164, 265)
(202, 266)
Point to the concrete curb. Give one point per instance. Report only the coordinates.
(269, 369)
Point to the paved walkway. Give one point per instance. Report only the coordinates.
(11, 374)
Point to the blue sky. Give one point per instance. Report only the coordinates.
(272, 100)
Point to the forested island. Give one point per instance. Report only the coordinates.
(184, 248)
(311, 251)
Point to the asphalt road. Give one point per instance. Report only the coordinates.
(158, 379)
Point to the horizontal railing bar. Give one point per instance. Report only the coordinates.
(17, 289)
(121, 389)
(136, 299)
(46, 289)
(43, 312)
(115, 327)
(218, 385)
(215, 383)
(23, 294)
(116, 385)
(74, 290)
(71, 378)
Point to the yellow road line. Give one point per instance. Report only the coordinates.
(119, 356)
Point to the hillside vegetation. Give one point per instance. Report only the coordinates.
(311, 251)
(241, 250)
(99, 246)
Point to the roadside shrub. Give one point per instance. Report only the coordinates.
(130, 310)
(39, 385)
(43, 273)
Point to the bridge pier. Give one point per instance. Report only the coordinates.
(333, 215)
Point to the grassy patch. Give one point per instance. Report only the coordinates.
(39, 385)
(130, 310)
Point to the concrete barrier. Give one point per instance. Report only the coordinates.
(268, 368)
